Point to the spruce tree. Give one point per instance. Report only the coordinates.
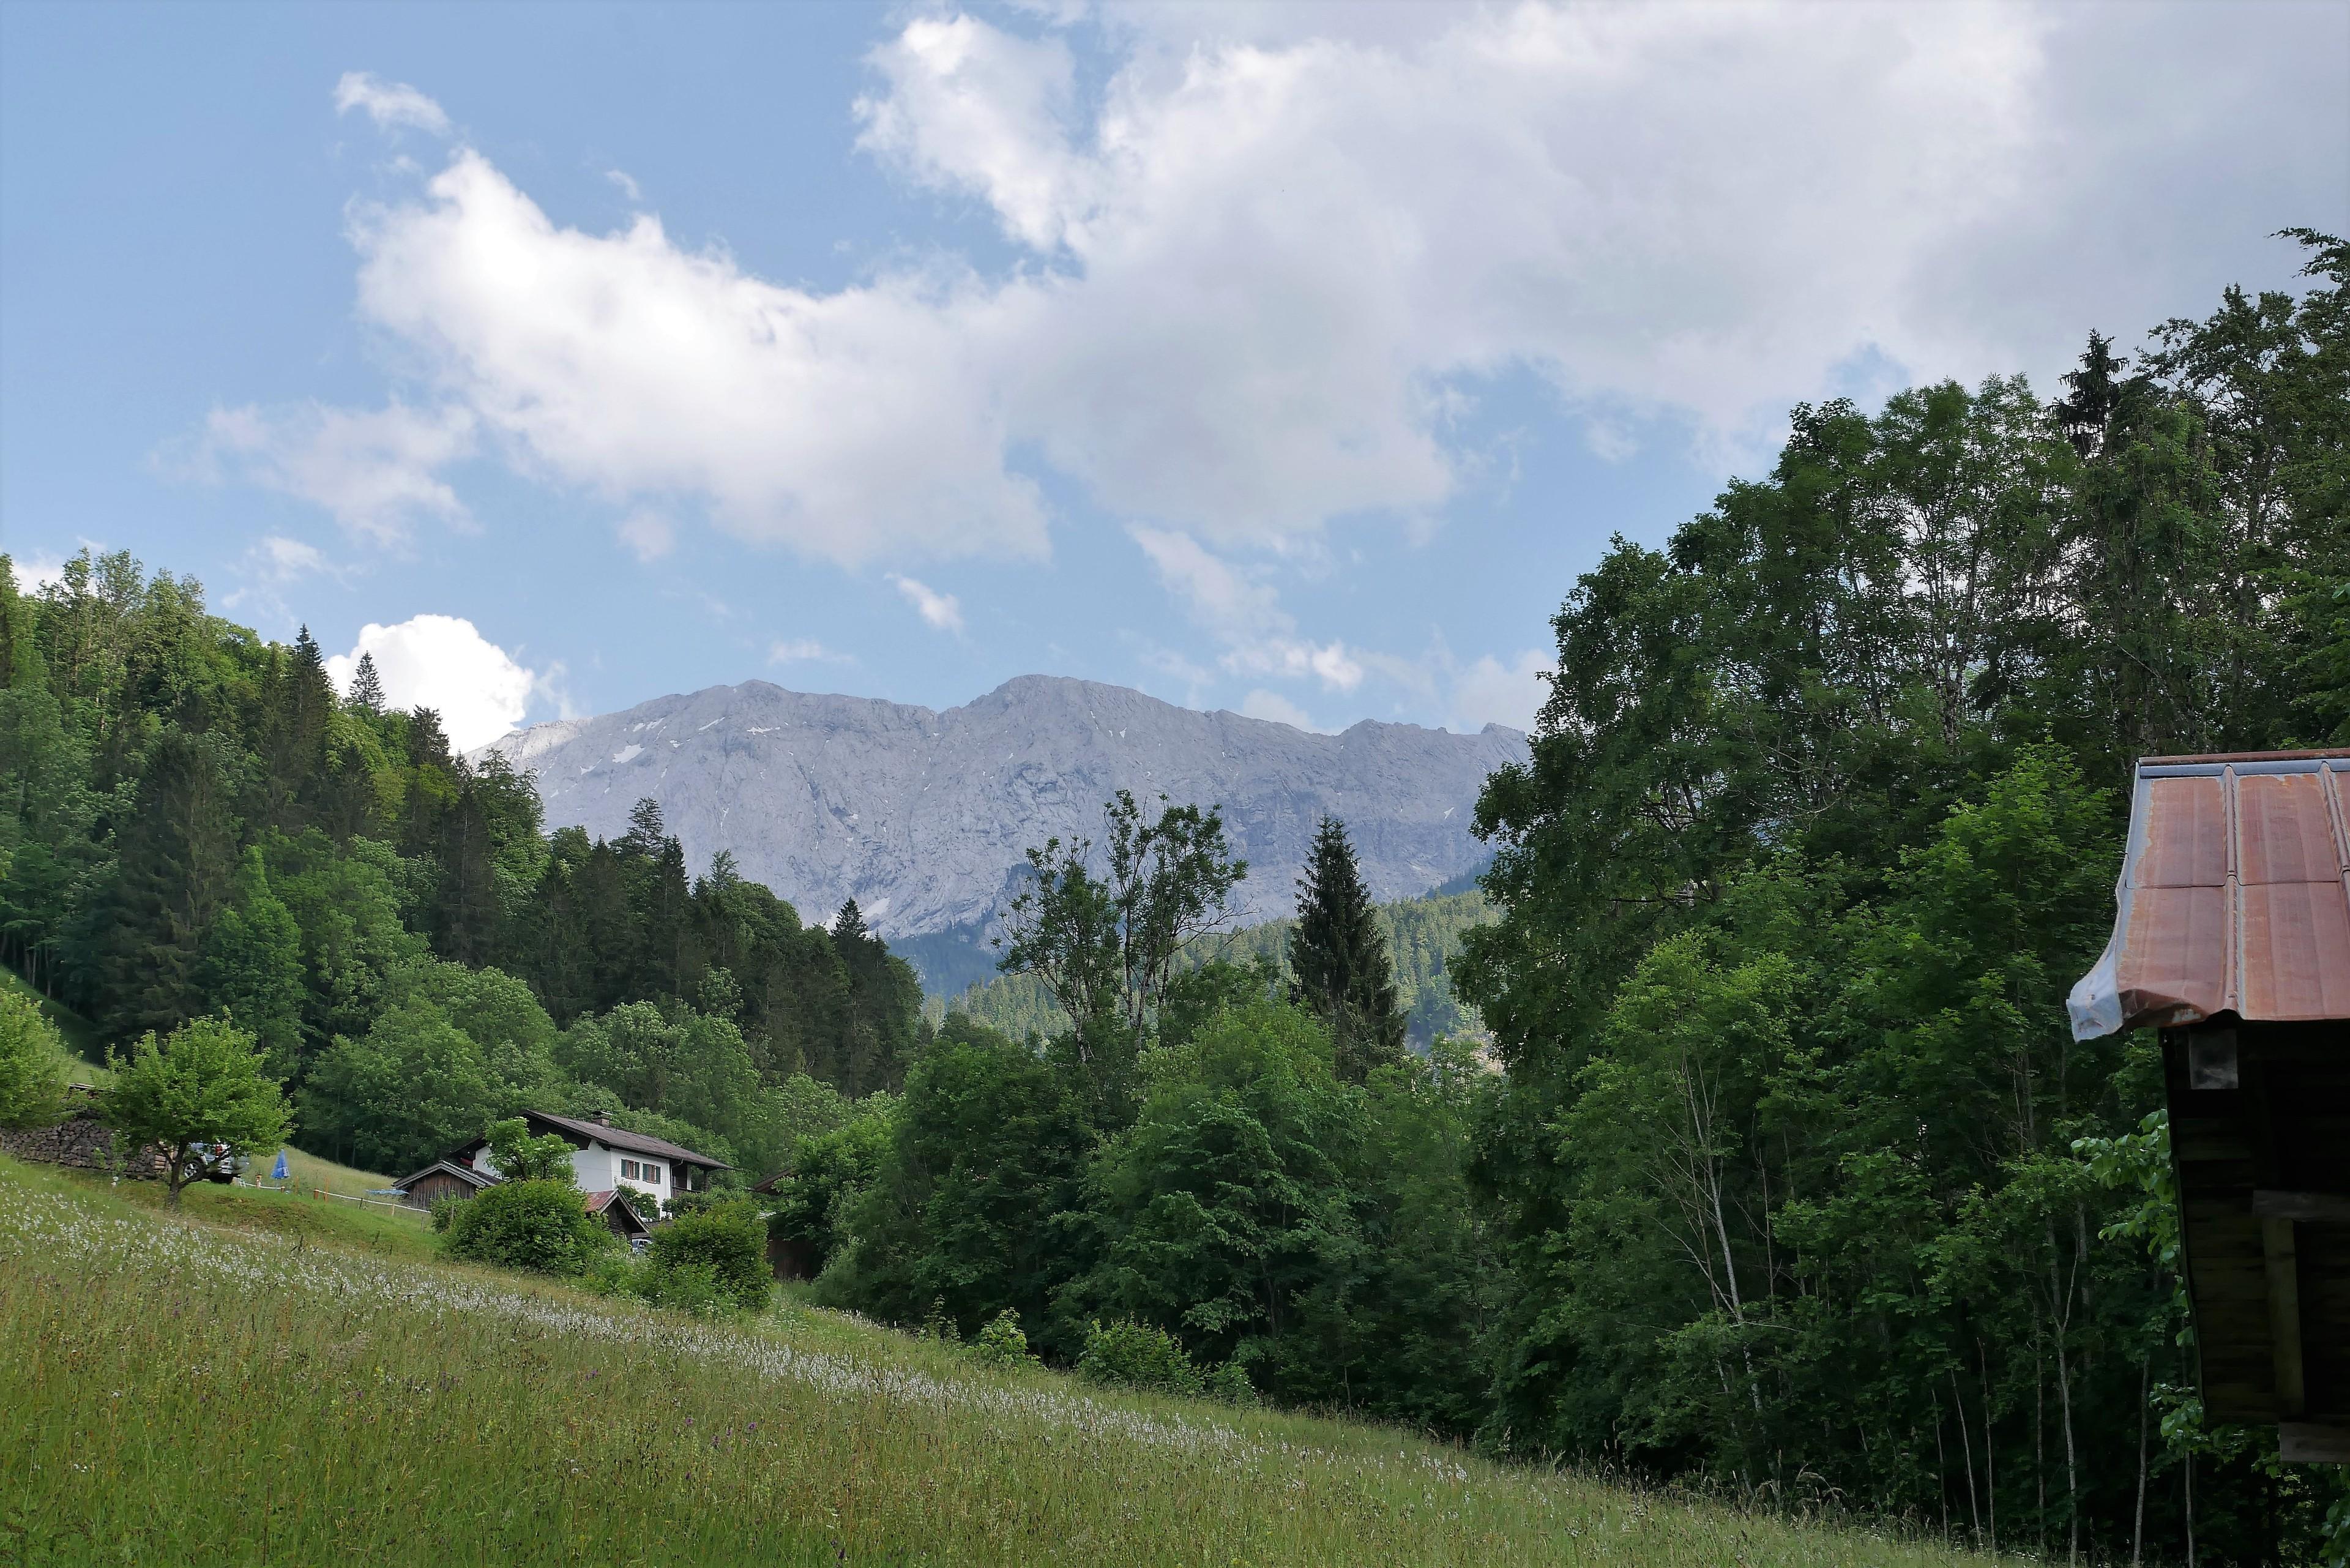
(367, 686)
(1340, 958)
(176, 869)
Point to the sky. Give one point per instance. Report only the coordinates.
(1288, 359)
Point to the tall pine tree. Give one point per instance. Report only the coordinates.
(1340, 958)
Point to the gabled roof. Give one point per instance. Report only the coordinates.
(621, 1138)
(601, 1204)
(465, 1173)
(2234, 895)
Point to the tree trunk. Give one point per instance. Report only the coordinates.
(1967, 1447)
(2138, 1526)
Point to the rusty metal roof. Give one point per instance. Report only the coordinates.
(2234, 895)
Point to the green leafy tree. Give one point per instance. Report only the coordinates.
(200, 1094)
(1105, 942)
(32, 1064)
(412, 1087)
(1339, 957)
(519, 1157)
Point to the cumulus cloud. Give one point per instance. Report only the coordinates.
(846, 425)
(375, 471)
(1491, 692)
(942, 611)
(35, 572)
(391, 104)
(445, 663)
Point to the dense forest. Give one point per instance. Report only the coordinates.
(198, 822)
(1800, 1177)
(1774, 1169)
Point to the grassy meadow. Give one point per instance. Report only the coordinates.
(265, 1378)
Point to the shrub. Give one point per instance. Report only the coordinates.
(729, 1241)
(1002, 1343)
(1136, 1356)
(536, 1225)
(32, 1064)
(1229, 1381)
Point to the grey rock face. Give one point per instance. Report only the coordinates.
(923, 816)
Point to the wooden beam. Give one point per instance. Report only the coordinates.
(2310, 1443)
(2278, 1249)
(2333, 1206)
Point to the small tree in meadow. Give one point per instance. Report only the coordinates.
(32, 1064)
(199, 1094)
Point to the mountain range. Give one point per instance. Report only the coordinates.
(923, 816)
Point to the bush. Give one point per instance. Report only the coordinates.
(534, 1225)
(1136, 1356)
(32, 1064)
(1002, 1343)
(729, 1241)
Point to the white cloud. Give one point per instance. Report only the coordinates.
(444, 663)
(649, 534)
(1489, 692)
(627, 182)
(802, 650)
(846, 425)
(1243, 613)
(375, 472)
(1265, 255)
(281, 560)
(35, 573)
(390, 105)
(941, 610)
(1272, 705)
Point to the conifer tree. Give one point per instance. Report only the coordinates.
(1340, 959)
(176, 870)
(253, 968)
(367, 686)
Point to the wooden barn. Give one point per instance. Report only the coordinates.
(2233, 940)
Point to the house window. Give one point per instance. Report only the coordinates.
(628, 1170)
(652, 1174)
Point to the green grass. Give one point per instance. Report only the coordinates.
(214, 1386)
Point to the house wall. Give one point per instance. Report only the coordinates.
(422, 1193)
(596, 1167)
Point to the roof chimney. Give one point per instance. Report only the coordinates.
(603, 1118)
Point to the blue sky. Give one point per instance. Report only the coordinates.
(1288, 359)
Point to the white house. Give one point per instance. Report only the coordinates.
(644, 1169)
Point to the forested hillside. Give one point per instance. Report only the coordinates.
(1799, 1172)
(199, 823)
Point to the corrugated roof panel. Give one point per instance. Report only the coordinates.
(2287, 834)
(2186, 834)
(2234, 895)
(2296, 952)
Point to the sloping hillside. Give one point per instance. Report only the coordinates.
(193, 1391)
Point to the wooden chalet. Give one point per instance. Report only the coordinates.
(2233, 940)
